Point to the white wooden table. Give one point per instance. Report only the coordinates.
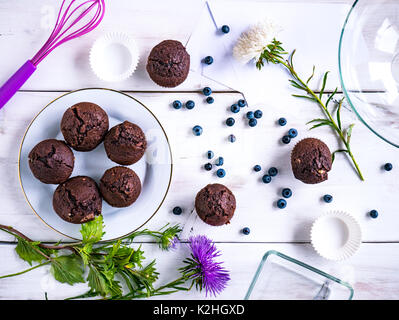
(372, 270)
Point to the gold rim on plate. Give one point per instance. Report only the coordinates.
(71, 92)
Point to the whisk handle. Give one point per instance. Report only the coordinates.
(16, 82)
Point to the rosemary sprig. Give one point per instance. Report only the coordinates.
(273, 53)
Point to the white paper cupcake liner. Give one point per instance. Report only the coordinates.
(114, 56)
(336, 235)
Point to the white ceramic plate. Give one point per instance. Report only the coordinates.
(154, 169)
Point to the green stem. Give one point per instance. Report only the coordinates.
(24, 271)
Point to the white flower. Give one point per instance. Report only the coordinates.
(252, 42)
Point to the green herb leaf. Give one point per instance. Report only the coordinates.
(67, 269)
(92, 231)
(29, 251)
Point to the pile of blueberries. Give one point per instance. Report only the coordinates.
(219, 162)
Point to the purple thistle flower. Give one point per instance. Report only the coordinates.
(202, 267)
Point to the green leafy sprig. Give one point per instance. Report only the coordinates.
(109, 266)
(273, 53)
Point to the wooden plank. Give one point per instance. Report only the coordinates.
(260, 145)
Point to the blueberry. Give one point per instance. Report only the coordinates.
(246, 231)
(235, 108)
(258, 114)
(207, 91)
(210, 100)
(281, 203)
(327, 198)
(177, 104)
(292, 133)
(190, 104)
(388, 166)
(177, 211)
(250, 115)
(197, 130)
(225, 29)
(374, 214)
(230, 122)
(266, 178)
(208, 60)
(232, 138)
(220, 173)
(257, 168)
(241, 103)
(273, 171)
(252, 122)
(286, 139)
(286, 193)
(282, 121)
(208, 166)
(210, 154)
(219, 161)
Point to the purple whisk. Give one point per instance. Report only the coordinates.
(65, 29)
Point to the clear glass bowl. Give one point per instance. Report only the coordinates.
(369, 65)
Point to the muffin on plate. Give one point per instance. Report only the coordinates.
(125, 143)
(51, 161)
(84, 126)
(120, 186)
(311, 160)
(77, 200)
(168, 63)
(215, 204)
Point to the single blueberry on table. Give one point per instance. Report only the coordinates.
(235, 108)
(232, 138)
(208, 166)
(210, 154)
(327, 198)
(257, 168)
(219, 161)
(250, 115)
(388, 166)
(266, 178)
(286, 139)
(252, 122)
(190, 104)
(225, 29)
(177, 211)
(230, 122)
(286, 193)
(220, 173)
(197, 130)
(258, 114)
(246, 231)
(273, 171)
(282, 121)
(207, 91)
(208, 60)
(210, 100)
(292, 133)
(374, 214)
(281, 203)
(177, 104)
(241, 103)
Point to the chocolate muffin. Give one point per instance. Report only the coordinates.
(215, 204)
(311, 160)
(51, 161)
(168, 63)
(120, 186)
(84, 126)
(125, 143)
(77, 200)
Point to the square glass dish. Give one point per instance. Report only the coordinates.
(280, 277)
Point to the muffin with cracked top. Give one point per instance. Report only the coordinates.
(215, 204)
(77, 200)
(168, 63)
(311, 160)
(84, 126)
(125, 143)
(51, 161)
